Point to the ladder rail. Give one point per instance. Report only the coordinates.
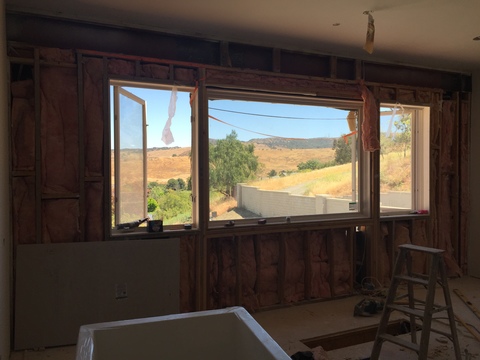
(436, 275)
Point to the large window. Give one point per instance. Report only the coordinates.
(404, 159)
(152, 161)
(281, 158)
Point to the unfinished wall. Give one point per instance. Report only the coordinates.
(60, 168)
(473, 242)
(5, 238)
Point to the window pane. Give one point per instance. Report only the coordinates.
(130, 166)
(166, 187)
(281, 158)
(395, 159)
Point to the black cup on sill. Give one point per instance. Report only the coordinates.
(155, 226)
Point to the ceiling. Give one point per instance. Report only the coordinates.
(435, 34)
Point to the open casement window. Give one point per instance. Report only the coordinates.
(153, 157)
(130, 156)
(280, 158)
(404, 159)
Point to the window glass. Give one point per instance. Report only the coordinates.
(280, 156)
(404, 158)
(151, 138)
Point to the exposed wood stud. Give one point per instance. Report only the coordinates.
(106, 154)
(331, 261)
(225, 59)
(282, 262)
(359, 75)
(307, 253)
(277, 60)
(81, 148)
(238, 264)
(333, 67)
(38, 150)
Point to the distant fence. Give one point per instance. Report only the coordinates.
(271, 203)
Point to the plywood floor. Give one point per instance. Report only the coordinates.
(289, 326)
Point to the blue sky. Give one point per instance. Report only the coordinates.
(281, 120)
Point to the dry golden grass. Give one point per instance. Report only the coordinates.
(335, 180)
(175, 163)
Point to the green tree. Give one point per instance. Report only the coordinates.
(404, 135)
(152, 205)
(343, 150)
(231, 162)
(172, 184)
(312, 164)
(181, 184)
(272, 173)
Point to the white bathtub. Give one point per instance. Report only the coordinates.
(230, 333)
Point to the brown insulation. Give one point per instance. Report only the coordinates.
(320, 267)
(57, 55)
(121, 67)
(294, 285)
(93, 211)
(267, 251)
(222, 272)
(370, 136)
(187, 273)
(384, 259)
(281, 83)
(59, 127)
(23, 217)
(446, 205)
(155, 71)
(342, 264)
(60, 221)
(248, 273)
(23, 126)
(93, 116)
(185, 75)
(419, 237)
(464, 200)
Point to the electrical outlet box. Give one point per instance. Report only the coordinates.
(121, 291)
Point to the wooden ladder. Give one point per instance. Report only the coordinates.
(437, 274)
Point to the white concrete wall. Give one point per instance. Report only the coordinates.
(474, 234)
(269, 203)
(5, 238)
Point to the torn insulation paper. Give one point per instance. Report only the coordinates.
(368, 47)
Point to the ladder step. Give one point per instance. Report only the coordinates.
(412, 279)
(447, 335)
(421, 249)
(418, 313)
(399, 341)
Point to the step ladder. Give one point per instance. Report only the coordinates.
(427, 308)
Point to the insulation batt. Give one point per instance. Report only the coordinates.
(23, 126)
(267, 254)
(320, 267)
(93, 116)
(59, 130)
(187, 273)
(342, 266)
(248, 266)
(294, 288)
(23, 194)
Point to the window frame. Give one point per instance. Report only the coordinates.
(166, 86)
(363, 186)
(420, 160)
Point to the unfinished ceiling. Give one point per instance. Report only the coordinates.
(432, 33)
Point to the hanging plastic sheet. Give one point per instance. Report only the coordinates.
(167, 136)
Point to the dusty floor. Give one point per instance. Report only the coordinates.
(289, 326)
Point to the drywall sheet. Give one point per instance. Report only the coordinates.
(60, 287)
